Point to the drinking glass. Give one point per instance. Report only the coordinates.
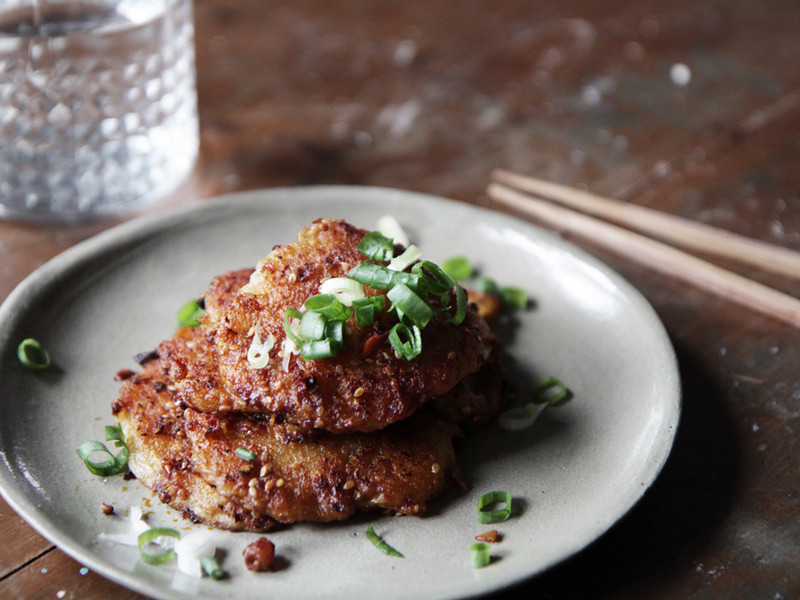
(98, 106)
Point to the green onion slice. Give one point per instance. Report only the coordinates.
(375, 276)
(380, 544)
(439, 282)
(461, 306)
(520, 417)
(112, 465)
(258, 352)
(189, 313)
(409, 256)
(245, 453)
(312, 326)
(411, 309)
(334, 331)
(552, 391)
(318, 349)
(328, 306)
(32, 355)
(345, 290)
(514, 298)
(151, 535)
(211, 567)
(480, 554)
(458, 267)
(494, 507)
(406, 341)
(288, 327)
(366, 308)
(391, 227)
(487, 285)
(376, 246)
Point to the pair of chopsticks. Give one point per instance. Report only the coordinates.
(546, 202)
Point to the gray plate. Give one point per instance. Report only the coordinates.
(573, 474)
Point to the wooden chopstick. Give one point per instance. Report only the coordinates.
(653, 254)
(688, 234)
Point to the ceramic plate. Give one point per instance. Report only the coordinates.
(572, 475)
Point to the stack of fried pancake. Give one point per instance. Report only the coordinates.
(317, 440)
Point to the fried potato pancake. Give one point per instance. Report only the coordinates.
(354, 391)
(160, 454)
(189, 460)
(362, 431)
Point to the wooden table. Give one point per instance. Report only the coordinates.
(431, 96)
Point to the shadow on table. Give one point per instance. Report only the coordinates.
(652, 546)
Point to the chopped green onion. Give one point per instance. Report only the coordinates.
(520, 417)
(211, 567)
(439, 282)
(328, 306)
(312, 326)
(334, 331)
(409, 256)
(552, 391)
(32, 355)
(411, 309)
(366, 308)
(514, 298)
(375, 276)
(488, 509)
(461, 306)
(288, 328)
(151, 535)
(245, 454)
(480, 554)
(376, 246)
(410, 347)
(458, 267)
(380, 544)
(258, 353)
(391, 228)
(189, 314)
(111, 465)
(345, 289)
(487, 285)
(318, 349)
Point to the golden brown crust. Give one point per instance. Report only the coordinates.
(160, 454)
(324, 477)
(189, 460)
(350, 392)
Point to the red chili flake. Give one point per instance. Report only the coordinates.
(490, 536)
(107, 509)
(260, 555)
(123, 374)
(372, 344)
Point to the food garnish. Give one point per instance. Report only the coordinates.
(491, 537)
(189, 314)
(32, 355)
(480, 554)
(494, 507)
(112, 465)
(414, 297)
(550, 391)
(152, 535)
(245, 454)
(380, 543)
(211, 566)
